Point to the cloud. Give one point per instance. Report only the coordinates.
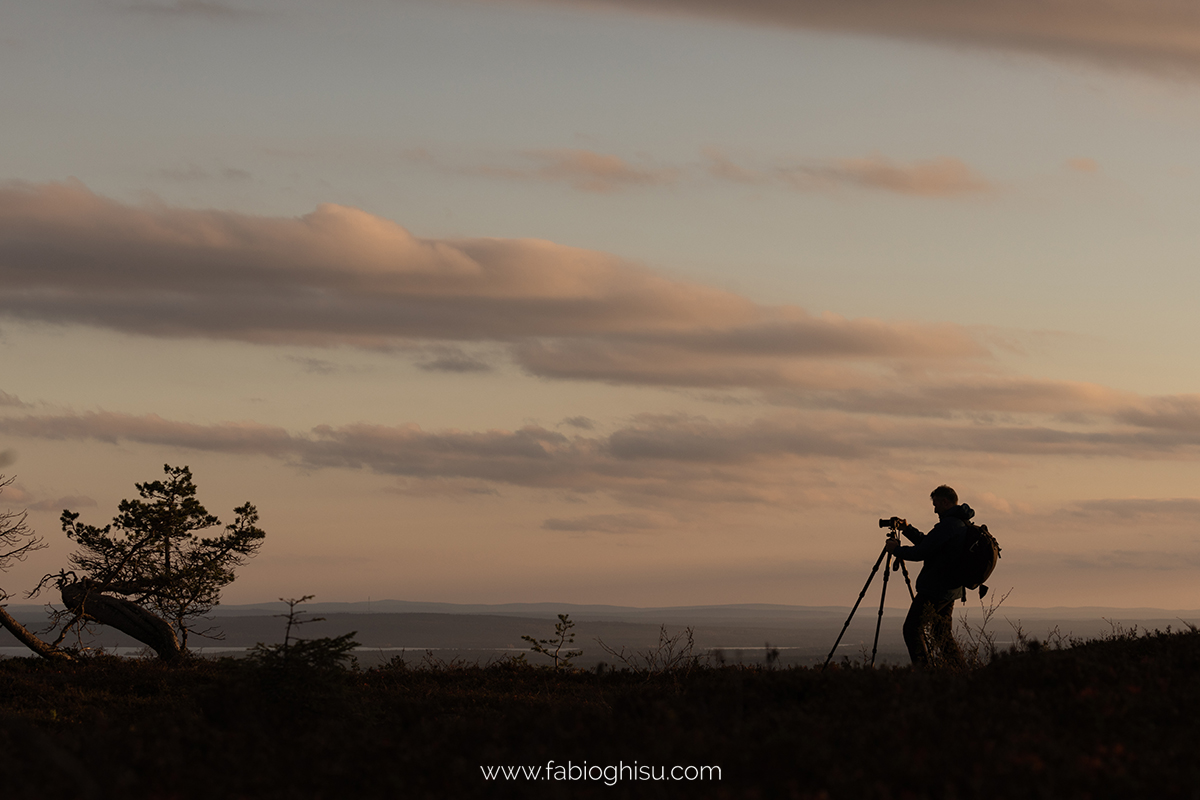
(585, 170)
(1130, 509)
(796, 350)
(193, 173)
(699, 440)
(777, 460)
(315, 366)
(941, 177)
(335, 276)
(341, 276)
(1158, 35)
(720, 166)
(666, 462)
(11, 400)
(7, 458)
(607, 523)
(229, 437)
(590, 171)
(445, 358)
(1128, 560)
(935, 395)
(18, 494)
(1174, 413)
(68, 502)
(1088, 165)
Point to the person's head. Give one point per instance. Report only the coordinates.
(943, 498)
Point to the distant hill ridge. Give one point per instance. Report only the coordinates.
(732, 612)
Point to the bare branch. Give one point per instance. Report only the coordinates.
(17, 539)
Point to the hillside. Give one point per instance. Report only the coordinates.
(1106, 718)
(803, 634)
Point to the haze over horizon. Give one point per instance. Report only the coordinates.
(629, 302)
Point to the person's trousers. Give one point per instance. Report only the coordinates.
(929, 632)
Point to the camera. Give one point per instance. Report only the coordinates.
(893, 522)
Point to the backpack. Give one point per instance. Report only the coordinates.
(979, 556)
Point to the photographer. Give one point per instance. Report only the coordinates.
(937, 585)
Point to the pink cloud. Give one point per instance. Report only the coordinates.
(341, 276)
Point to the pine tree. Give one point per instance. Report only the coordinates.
(153, 554)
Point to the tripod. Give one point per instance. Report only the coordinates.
(898, 564)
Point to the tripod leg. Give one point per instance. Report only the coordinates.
(911, 594)
(861, 594)
(882, 598)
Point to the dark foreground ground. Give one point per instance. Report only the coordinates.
(1115, 718)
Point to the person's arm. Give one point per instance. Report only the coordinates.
(925, 545)
(912, 534)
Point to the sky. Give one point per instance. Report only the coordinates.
(639, 302)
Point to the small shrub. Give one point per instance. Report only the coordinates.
(553, 648)
(325, 653)
(976, 643)
(674, 653)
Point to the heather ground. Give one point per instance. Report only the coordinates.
(1108, 718)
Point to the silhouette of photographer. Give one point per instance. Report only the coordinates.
(929, 626)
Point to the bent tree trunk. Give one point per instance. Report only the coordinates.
(124, 615)
(30, 639)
